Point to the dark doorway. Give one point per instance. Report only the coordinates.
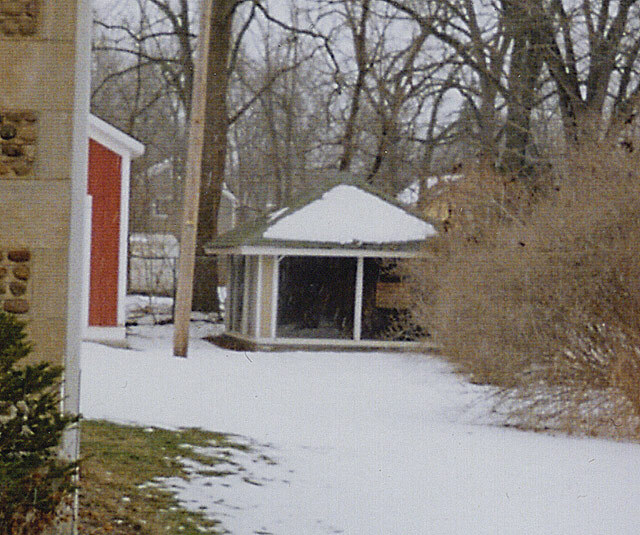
(316, 297)
(384, 301)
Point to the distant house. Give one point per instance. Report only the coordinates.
(321, 273)
(110, 155)
(156, 202)
(153, 256)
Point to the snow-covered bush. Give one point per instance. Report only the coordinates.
(34, 480)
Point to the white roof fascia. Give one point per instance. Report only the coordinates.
(304, 251)
(114, 139)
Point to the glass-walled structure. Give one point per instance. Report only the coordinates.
(315, 299)
(323, 271)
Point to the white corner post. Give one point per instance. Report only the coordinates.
(274, 295)
(258, 298)
(357, 309)
(76, 251)
(125, 185)
(229, 304)
(86, 263)
(246, 295)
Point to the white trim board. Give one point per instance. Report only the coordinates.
(333, 342)
(249, 250)
(125, 190)
(114, 139)
(246, 295)
(86, 261)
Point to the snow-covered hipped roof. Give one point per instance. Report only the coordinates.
(344, 216)
(347, 214)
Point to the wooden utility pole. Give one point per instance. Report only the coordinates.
(184, 290)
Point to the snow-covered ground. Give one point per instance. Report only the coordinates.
(363, 443)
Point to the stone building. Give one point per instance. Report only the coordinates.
(44, 104)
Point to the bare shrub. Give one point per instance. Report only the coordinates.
(538, 290)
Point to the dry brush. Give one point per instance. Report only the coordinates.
(537, 292)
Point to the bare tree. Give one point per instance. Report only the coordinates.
(162, 43)
(588, 50)
(601, 86)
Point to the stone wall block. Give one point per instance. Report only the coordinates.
(17, 288)
(8, 131)
(9, 26)
(12, 116)
(18, 138)
(27, 25)
(29, 154)
(33, 7)
(21, 272)
(27, 134)
(19, 255)
(11, 7)
(16, 306)
(15, 279)
(12, 150)
(19, 17)
(21, 169)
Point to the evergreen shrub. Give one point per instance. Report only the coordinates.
(35, 481)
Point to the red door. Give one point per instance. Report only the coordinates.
(104, 186)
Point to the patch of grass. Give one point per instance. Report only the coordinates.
(119, 465)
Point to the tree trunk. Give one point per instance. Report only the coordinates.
(359, 32)
(205, 295)
(525, 67)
